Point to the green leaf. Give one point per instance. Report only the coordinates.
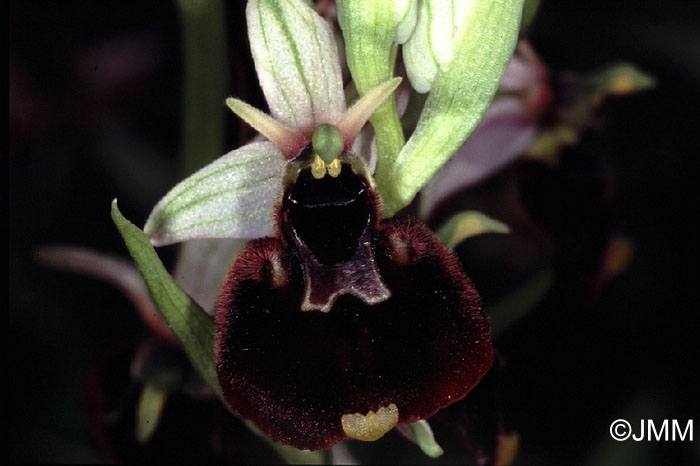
(468, 64)
(297, 63)
(190, 324)
(372, 30)
(466, 225)
(232, 197)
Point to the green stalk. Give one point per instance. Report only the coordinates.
(205, 82)
(388, 131)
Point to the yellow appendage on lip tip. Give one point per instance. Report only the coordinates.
(371, 426)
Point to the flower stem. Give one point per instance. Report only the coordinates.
(389, 133)
(205, 79)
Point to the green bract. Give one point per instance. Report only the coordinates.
(460, 93)
(190, 324)
(430, 48)
(458, 51)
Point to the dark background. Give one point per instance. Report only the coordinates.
(94, 114)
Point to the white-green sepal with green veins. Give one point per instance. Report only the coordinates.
(232, 197)
(297, 63)
(465, 81)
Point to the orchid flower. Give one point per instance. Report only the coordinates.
(335, 322)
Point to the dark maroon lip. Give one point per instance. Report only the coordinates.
(399, 322)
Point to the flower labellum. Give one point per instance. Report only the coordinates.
(345, 324)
